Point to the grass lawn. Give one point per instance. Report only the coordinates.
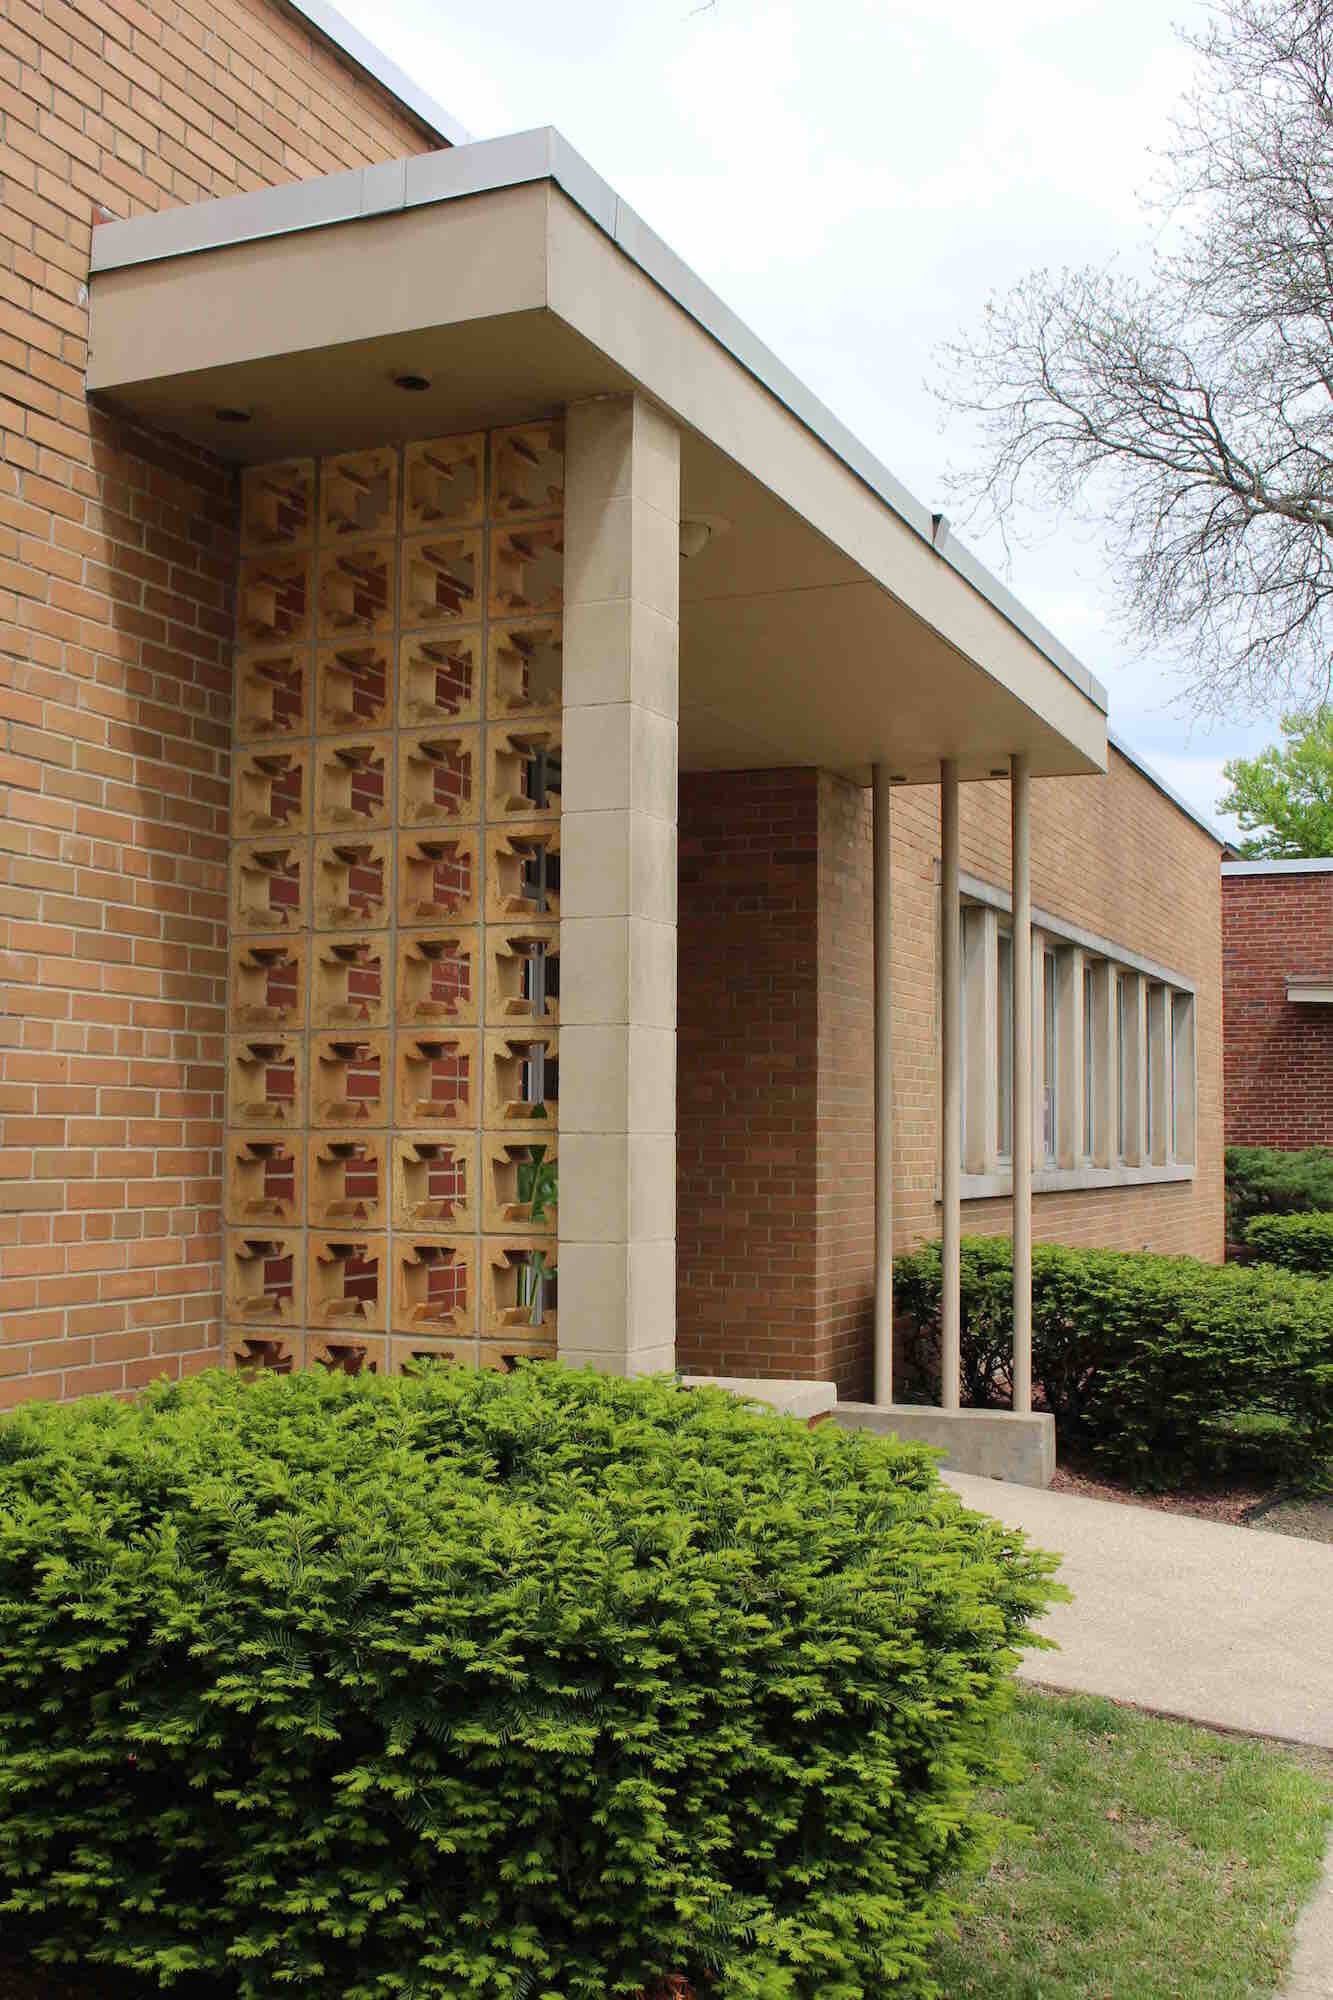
(1138, 1860)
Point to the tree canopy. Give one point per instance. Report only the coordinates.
(1283, 798)
(1190, 414)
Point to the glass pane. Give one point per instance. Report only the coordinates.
(1089, 1044)
(1122, 1080)
(1004, 1046)
(1048, 1055)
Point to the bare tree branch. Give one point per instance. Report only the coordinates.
(1190, 417)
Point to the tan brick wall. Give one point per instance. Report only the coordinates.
(1113, 855)
(116, 557)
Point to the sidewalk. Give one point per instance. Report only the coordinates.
(1215, 1624)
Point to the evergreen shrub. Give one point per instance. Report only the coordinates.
(1261, 1180)
(1296, 1242)
(1169, 1368)
(528, 1688)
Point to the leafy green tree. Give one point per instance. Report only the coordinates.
(1283, 798)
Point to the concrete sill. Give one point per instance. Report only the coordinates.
(1072, 1180)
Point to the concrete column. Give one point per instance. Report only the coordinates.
(618, 888)
(883, 975)
(951, 1097)
(1020, 802)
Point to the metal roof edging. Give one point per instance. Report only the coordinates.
(1131, 756)
(1305, 865)
(336, 28)
(486, 166)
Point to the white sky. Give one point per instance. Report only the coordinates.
(854, 179)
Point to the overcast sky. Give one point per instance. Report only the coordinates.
(854, 179)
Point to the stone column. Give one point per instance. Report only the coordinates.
(618, 888)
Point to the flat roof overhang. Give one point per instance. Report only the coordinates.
(822, 626)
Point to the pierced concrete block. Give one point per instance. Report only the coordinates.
(347, 1356)
(525, 669)
(527, 471)
(268, 885)
(439, 678)
(409, 1357)
(438, 977)
(434, 1183)
(520, 1289)
(439, 776)
(523, 973)
(278, 505)
(358, 493)
(272, 694)
(270, 790)
(522, 870)
(527, 570)
(524, 770)
(265, 1182)
(352, 785)
(348, 1180)
(353, 687)
(521, 1184)
(438, 877)
(274, 600)
(434, 1285)
(352, 882)
(267, 982)
(442, 578)
(356, 589)
(266, 1082)
(349, 1079)
(445, 481)
(505, 1355)
(351, 985)
(522, 1079)
(263, 1353)
(261, 1278)
(437, 1079)
(346, 1284)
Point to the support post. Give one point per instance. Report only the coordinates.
(1020, 800)
(951, 1099)
(883, 975)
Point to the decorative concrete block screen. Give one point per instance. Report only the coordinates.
(393, 1060)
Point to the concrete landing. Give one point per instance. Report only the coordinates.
(1215, 1624)
(996, 1444)
(806, 1400)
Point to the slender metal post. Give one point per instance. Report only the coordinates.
(1020, 801)
(951, 1096)
(883, 976)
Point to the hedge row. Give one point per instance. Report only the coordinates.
(1263, 1181)
(1167, 1367)
(1296, 1242)
(490, 1688)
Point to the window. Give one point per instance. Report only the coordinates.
(1089, 1058)
(1121, 1067)
(1112, 1092)
(1050, 1056)
(1004, 1046)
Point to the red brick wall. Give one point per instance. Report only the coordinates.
(1278, 1054)
(116, 557)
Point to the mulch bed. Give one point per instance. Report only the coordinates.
(1231, 1504)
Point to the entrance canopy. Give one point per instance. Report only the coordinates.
(826, 618)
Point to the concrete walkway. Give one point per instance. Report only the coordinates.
(1311, 1974)
(1218, 1625)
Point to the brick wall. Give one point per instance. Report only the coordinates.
(1279, 1054)
(116, 556)
(775, 1174)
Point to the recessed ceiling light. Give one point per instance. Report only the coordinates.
(411, 382)
(231, 414)
(999, 771)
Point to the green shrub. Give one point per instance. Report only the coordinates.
(1296, 1242)
(1263, 1181)
(495, 1688)
(1168, 1367)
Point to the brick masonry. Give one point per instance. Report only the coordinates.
(1279, 1054)
(775, 1188)
(117, 552)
